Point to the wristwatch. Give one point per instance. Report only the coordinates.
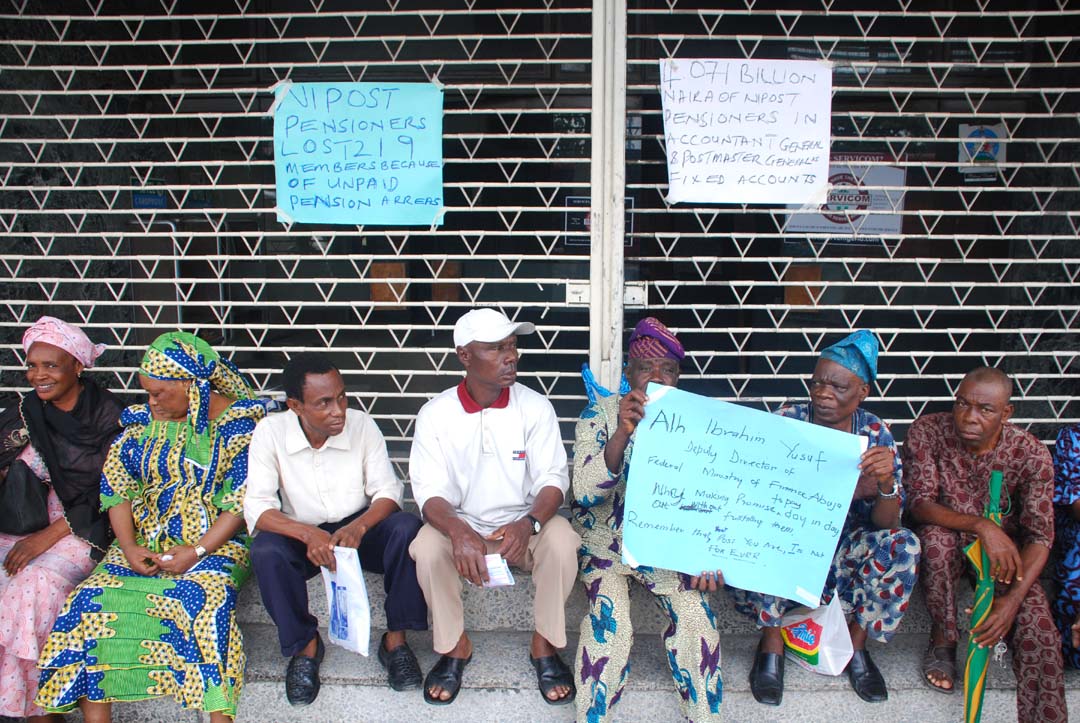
(535, 524)
(200, 552)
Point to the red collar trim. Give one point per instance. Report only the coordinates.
(471, 407)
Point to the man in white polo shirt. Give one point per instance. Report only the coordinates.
(319, 477)
(488, 470)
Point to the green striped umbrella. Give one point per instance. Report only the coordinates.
(975, 667)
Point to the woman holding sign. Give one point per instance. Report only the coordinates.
(602, 450)
(874, 567)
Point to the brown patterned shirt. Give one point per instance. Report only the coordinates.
(938, 468)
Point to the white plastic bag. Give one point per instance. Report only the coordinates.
(347, 599)
(818, 638)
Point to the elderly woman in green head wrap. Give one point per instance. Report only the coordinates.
(873, 568)
(157, 616)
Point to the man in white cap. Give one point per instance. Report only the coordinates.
(488, 471)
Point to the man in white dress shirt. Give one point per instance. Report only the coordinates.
(488, 470)
(318, 477)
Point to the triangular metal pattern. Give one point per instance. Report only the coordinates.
(710, 26)
(356, 23)
(59, 26)
(133, 26)
(509, 121)
(788, 20)
(25, 51)
(749, 45)
(318, 49)
(509, 20)
(206, 25)
(1057, 48)
(942, 23)
(31, 102)
(951, 238)
(865, 23)
(509, 71)
(545, 98)
(670, 51)
(283, 27)
(902, 47)
(98, 51)
(826, 46)
(64, 76)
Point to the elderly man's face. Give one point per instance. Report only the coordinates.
(979, 412)
(835, 393)
(639, 372)
(491, 363)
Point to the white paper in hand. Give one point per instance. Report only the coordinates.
(347, 600)
(498, 572)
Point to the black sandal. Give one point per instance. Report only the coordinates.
(552, 672)
(447, 675)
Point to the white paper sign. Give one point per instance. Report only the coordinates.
(746, 131)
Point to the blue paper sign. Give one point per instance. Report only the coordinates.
(716, 486)
(359, 153)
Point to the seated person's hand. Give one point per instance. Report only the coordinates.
(515, 538)
(1005, 561)
(1076, 632)
(631, 411)
(876, 468)
(469, 551)
(177, 560)
(349, 535)
(320, 548)
(24, 551)
(141, 559)
(707, 581)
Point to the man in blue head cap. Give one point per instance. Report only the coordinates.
(873, 569)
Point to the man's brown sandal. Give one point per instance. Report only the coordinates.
(939, 661)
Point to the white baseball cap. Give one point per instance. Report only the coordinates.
(487, 325)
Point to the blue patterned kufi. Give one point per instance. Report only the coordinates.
(856, 352)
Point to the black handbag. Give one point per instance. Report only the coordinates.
(24, 501)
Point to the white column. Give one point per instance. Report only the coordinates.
(608, 183)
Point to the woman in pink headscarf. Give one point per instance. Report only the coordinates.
(59, 435)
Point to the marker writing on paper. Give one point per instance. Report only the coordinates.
(794, 453)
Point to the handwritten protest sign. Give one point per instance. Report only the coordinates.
(359, 153)
(746, 131)
(716, 486)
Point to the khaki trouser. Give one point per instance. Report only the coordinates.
(551, 557)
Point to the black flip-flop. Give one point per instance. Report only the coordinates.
(447, 675)
(552, 672)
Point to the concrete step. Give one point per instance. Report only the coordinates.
(510, 608)
(499, 686)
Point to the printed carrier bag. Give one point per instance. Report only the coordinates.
(818, 638)
(346, 596)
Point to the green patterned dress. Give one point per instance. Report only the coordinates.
(123, 636)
